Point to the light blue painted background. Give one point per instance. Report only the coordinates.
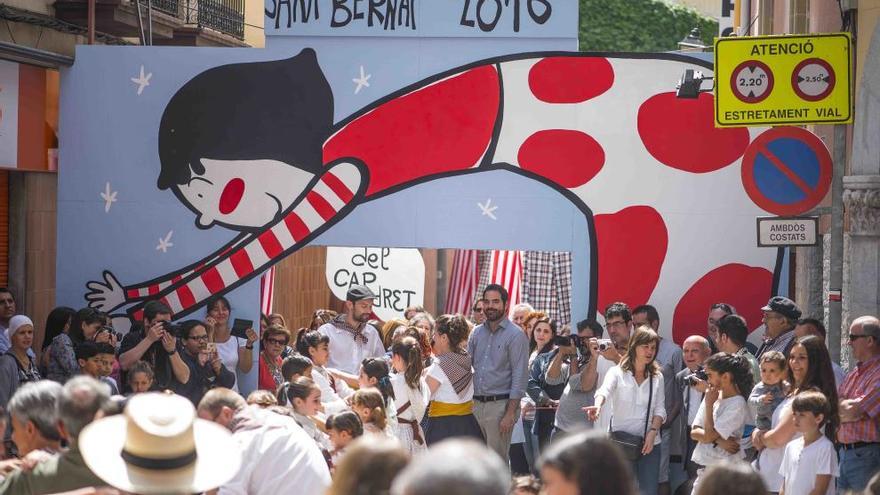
(109, 134)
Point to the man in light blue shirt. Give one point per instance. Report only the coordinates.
(500, 353)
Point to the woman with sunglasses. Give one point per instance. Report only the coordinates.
(273, 343)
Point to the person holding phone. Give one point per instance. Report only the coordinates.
(206, 370)
(235, 345)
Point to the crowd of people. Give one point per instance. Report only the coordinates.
(500, 401)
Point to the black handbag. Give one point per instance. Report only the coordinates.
(631, 445)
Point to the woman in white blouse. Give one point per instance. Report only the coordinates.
(630, 387)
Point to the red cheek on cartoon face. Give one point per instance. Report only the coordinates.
(231, 196)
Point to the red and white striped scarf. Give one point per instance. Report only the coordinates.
(238, 260)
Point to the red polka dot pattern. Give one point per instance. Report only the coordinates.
(632, 246)
(744, 287)
(570, 79)
(569, 158)
(680, 133)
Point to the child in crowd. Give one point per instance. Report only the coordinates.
(95, 359)
(293, 367)
(316, 347)
(374, 372)
(809, 464)
(771, 391)
(304, 397)
(262, 398)
(369, 404)
(343, 428)
(525, 485)
(723, 414)
(296, 366)
(410, 393)
(140, 377)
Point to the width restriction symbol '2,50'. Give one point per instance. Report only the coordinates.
(813, 79)
(751, 81)
(786, 170)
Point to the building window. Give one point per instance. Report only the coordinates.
(764, 23)
(799, 16)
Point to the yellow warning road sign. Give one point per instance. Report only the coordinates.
(783, 80)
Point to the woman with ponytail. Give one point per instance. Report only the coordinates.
(410, 393)
(375, 373)
(450, 381)
(723, 414)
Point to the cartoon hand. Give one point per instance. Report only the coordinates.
(106, 296)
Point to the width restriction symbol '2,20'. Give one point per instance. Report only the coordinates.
(813, 79)
(786, 170)
(751, 81)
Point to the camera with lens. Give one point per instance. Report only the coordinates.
(604, 344)
(112, 332)
(171, 328)
(566, 340)
(697, 376)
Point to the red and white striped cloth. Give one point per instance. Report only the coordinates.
(267, 290)
(335, 190)
(506, 270)
(463, 280)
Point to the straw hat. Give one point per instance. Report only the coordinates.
(158, 446)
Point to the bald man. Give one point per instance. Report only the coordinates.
(695, 351)
(859, 434)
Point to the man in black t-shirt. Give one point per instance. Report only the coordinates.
(150, 342)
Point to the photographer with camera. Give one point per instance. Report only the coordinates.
(578, 366)
(691, 383)
(206, 369)
(154, 341)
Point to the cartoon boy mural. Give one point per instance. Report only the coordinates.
(252, 147)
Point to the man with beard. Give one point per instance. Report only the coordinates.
(500, 353)
(352, 339)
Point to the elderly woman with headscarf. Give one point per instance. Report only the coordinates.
(16, 366)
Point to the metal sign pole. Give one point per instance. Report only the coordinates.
(835, 278)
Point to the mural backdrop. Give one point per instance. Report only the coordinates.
(187, 172)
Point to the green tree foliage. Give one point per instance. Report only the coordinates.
(639, 25)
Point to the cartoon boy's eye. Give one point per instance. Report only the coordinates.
(200, 195)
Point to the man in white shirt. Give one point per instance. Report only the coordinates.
(352, 339)
(670, 361)
(275, 450)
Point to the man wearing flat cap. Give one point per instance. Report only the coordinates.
(780, 317)
(352, 339)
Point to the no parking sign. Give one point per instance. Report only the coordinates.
(787, 170)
